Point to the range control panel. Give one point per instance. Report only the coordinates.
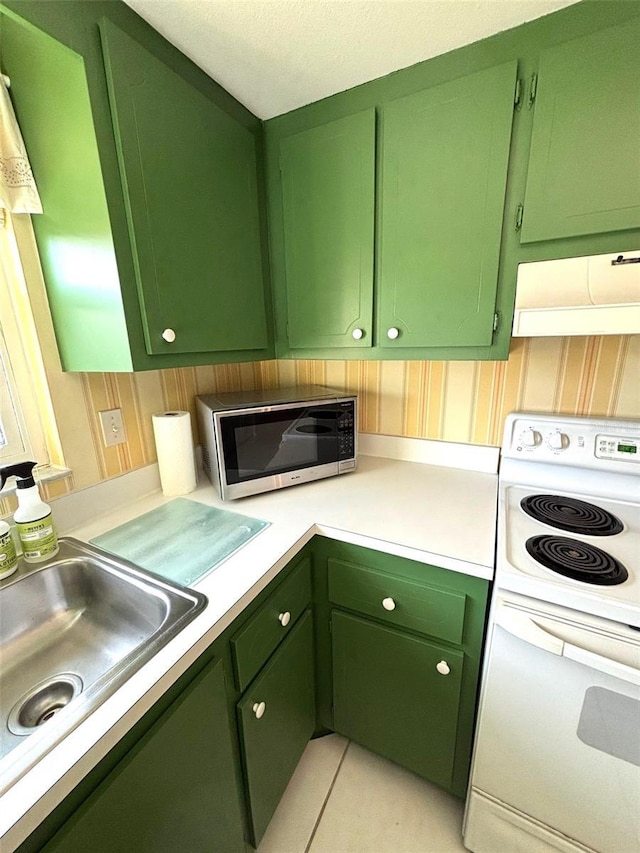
(617, 447)
(591, 443)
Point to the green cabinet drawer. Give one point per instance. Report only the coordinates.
(398, 695)
(405, 603)
(277, 717)
(256, 641)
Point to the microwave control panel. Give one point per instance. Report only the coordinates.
(346, 431)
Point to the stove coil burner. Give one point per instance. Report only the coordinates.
(579, 561)
(571, 515)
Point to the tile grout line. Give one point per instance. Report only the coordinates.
(326, 799)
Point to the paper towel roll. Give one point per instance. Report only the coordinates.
(174, 446)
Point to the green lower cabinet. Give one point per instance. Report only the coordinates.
(398, 674)
(175, 790)
(397, 694)
(398, 652)
(277, 716)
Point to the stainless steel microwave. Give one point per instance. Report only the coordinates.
(256, 441)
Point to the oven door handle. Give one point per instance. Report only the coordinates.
(601, 663)
(525, 628)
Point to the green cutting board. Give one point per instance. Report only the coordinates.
(183, 540)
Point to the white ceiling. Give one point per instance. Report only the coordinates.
(276, 55)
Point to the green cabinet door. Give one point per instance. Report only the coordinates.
(328, 177)
(175, 790)
(397, 694)
(584, 166)
(445, 153)
(189, 175)
(277, 718)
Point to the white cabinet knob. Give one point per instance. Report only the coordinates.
(393, 333)
(284, 618)
(443, 667)
(169, 336)
(388, 604)
(258, 709)
(357, 334)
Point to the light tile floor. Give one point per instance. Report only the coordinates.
(344, 799)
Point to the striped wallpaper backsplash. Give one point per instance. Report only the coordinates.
(450, 400)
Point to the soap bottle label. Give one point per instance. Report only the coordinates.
(8, 557)
(38, 538)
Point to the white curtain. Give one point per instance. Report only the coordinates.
(18, 191)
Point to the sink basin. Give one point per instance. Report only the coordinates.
(72, 630)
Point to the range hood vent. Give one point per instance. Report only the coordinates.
(597, 295)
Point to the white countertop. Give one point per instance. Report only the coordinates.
(425, 512)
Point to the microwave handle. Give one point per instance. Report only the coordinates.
(525, 628)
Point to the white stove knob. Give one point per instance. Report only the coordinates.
(558, 440)
(530, 438)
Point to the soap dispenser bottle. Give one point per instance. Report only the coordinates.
(8, 556)
(33, 517)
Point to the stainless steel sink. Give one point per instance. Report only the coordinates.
(72, 630)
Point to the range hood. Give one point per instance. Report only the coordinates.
(597, 295)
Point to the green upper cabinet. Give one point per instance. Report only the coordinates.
(382, 220)
(151, 177)
(458, 150)
(328, 175)
(189, 175)
(445, 153)
(389, 222)
(584, 167)
(75, 242)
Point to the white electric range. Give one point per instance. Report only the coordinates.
(557, 757)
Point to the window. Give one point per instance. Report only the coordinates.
(21, 370)
(14, 441)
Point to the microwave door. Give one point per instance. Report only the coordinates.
(306, 442)
(266, 443)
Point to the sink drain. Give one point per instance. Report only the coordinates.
(43, 702)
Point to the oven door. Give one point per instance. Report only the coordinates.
(558, 740)
(263, 449)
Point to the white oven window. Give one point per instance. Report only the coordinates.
(610, 722)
